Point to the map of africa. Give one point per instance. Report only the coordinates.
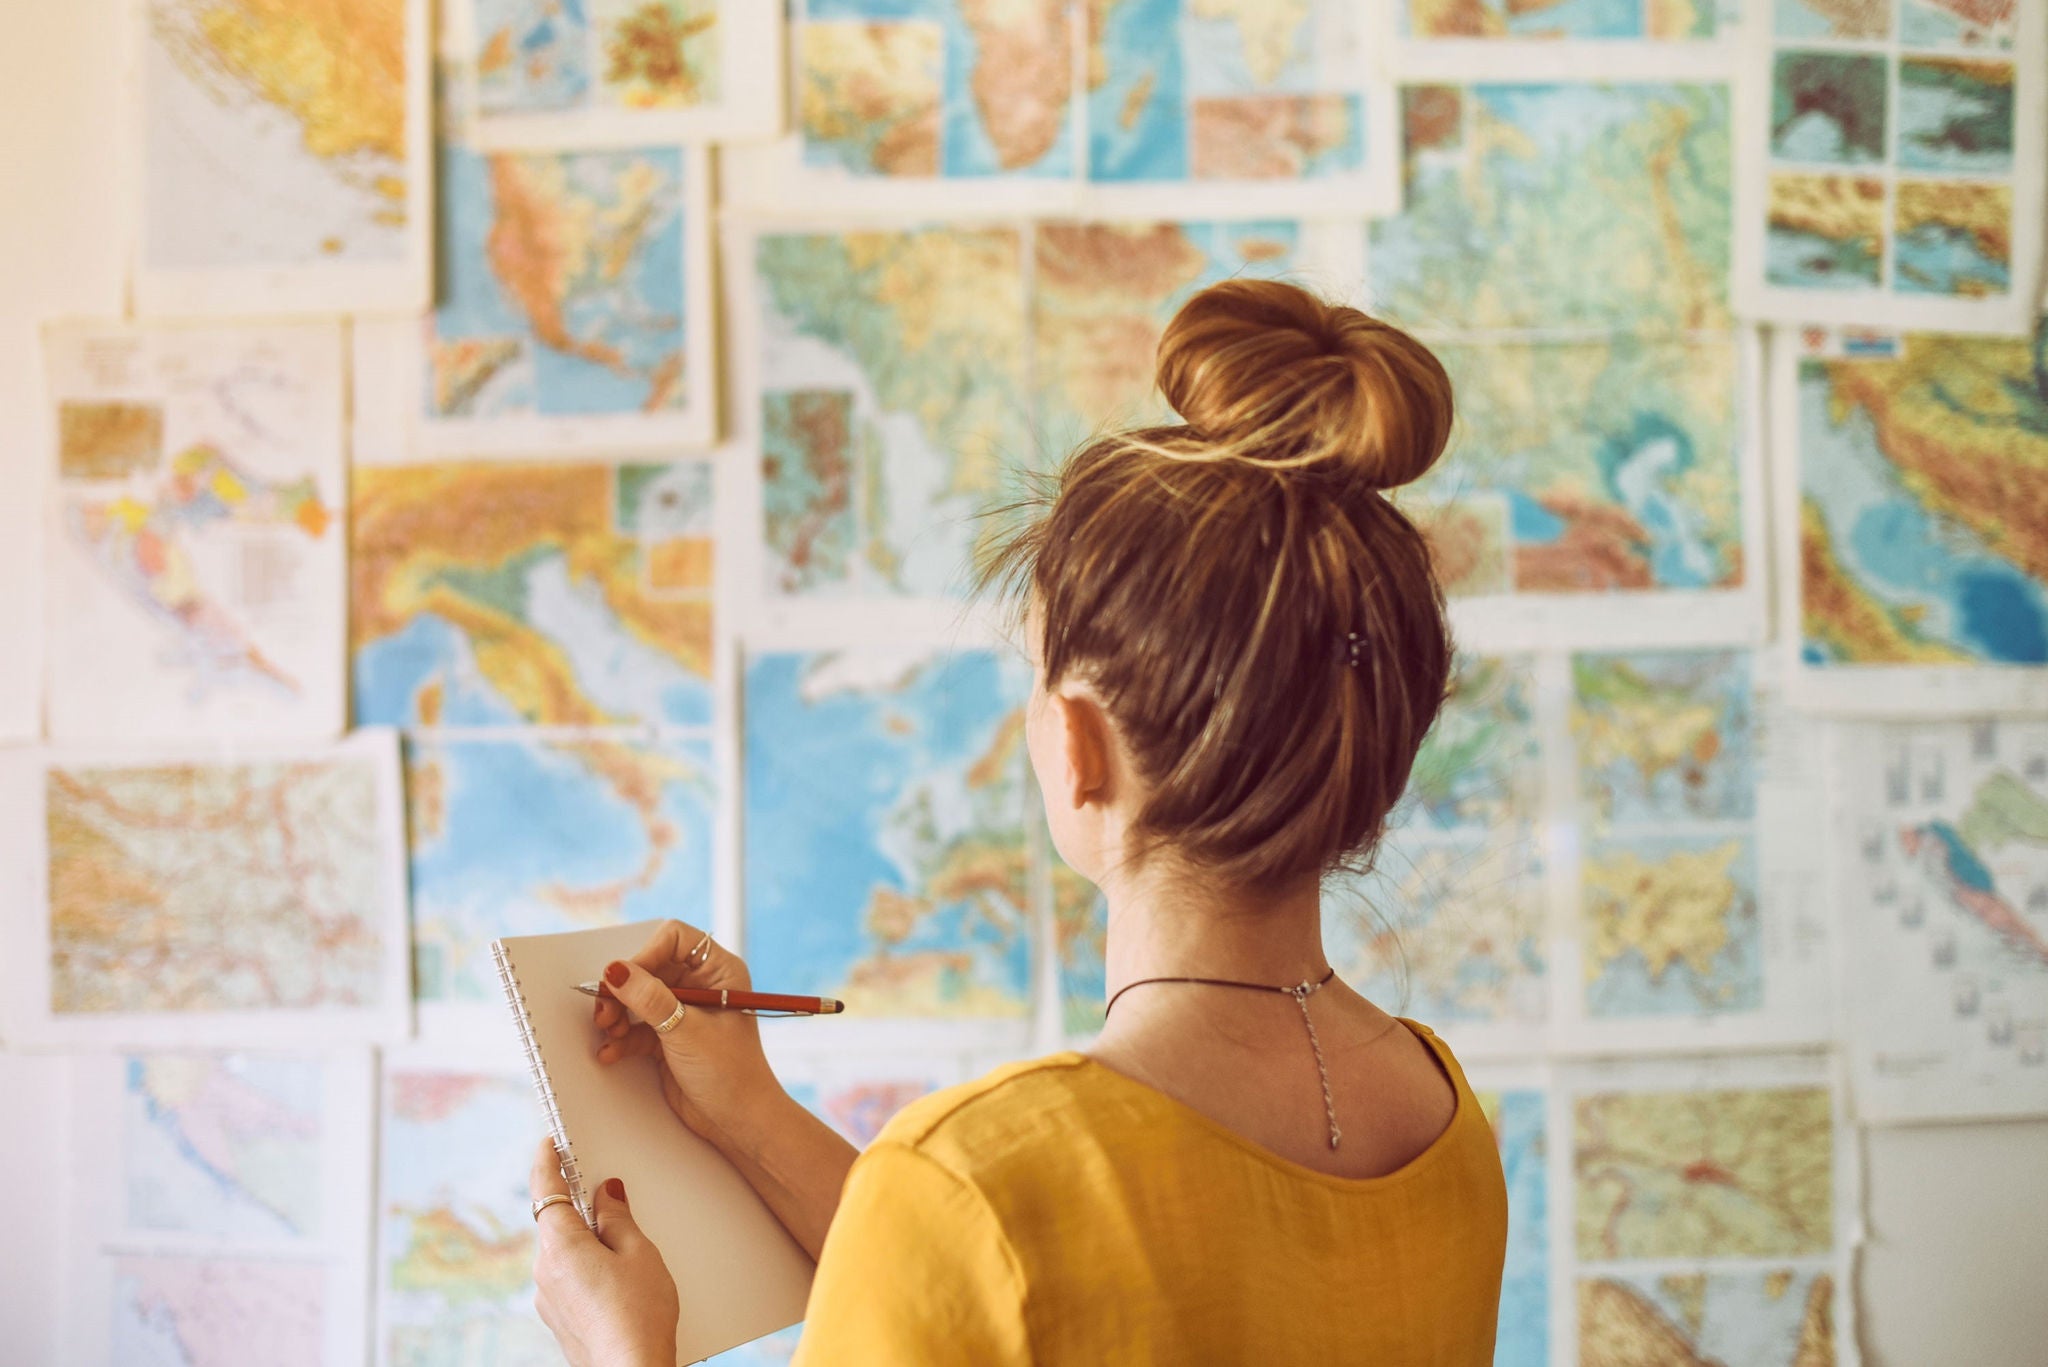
(1665, 735)
(1573, 19)
(1732, 1173)
(1223, 90)
(552, 55)
(1782, 1317)
(1923, 513)
(1101, 295)
(561, 292)
(215, 887)
(275, 132)
(936, 88)
(1518, 1117)
(504, 593)
(455, 1285)
(534, 837)
(224, 1146)
(894, 407)
(189, 1310)
(1949, 980)
(1448, 924)
(1605, 460)
(885, 836)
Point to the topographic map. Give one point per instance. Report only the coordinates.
(548, 55)
(505, 593)
(1510, 188)
(1668, 773)
(195, 1310)
(455, 1285)
(1923, 503)
(534, 837)
(1736, 1173)
(198, 548)
(1782, 1317)
(1448, 925)
(885, 831)
(277, 131)
(1659, 20)
(1948, 980)
(212, 887)
(1223, 89)
(225, 1147)
(893, 403)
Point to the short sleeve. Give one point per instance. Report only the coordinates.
(915, 1269)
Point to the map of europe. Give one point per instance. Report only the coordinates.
(456, 1242)
(885, 836)
(1598, 449)
(551, 55)
(214, 887)
(505, 593)
(223, 1146)
(893, 403)
(276, 132)
(535, 837)
(1923, 513)
(561, 287)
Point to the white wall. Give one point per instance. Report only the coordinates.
(1959, 1223)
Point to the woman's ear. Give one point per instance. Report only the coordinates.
(1084, 745)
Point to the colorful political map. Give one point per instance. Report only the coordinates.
(1101, 295)
(885, 836)
(1598, 461)
(1777, 1317)
(455, 1284)
(534, 837)
(562, 285)
(1183, 90)
(502, 593)
(216, 887)
(949, 89)
(276, 133)
(1520, 1126)
(197, 1310)
(1923, 503)
(1665, 736)
(1727, 1173)
(550, 55)
(223, 1146)
(893, 403)
(1948, 975)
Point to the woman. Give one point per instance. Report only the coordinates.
(1238, 646)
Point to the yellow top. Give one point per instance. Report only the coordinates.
(1058, 1212)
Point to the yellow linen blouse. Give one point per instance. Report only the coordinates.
(1059, 1212)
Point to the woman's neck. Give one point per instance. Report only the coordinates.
(1163, 924)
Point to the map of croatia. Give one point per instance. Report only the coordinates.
(223, 1146)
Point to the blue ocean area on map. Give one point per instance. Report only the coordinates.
(1137, 118)
(547, 65)
(1523, 1337)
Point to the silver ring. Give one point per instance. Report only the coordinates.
(544, 1202)
(702, 951)
(675, 1019)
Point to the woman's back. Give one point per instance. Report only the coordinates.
(1059, 1211)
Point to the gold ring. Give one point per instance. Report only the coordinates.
(544, 1202)
(675, 1019)
(696, 957)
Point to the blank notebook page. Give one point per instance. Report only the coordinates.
(737, 1271)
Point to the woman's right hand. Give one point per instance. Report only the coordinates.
(714, 1072)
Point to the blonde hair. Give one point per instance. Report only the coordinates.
(1262, 626)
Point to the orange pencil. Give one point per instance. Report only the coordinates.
(726, 999)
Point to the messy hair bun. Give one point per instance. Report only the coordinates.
(1265, 371)
(1262, 626)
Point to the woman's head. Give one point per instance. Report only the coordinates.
(1240, 642)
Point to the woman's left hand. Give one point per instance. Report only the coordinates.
(607, 1296)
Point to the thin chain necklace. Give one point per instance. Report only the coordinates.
(1301, 992)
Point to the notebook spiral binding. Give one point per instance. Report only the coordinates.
(515, 997)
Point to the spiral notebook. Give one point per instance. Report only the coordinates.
(737, 1271)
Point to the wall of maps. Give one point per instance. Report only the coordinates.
(529, 484)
